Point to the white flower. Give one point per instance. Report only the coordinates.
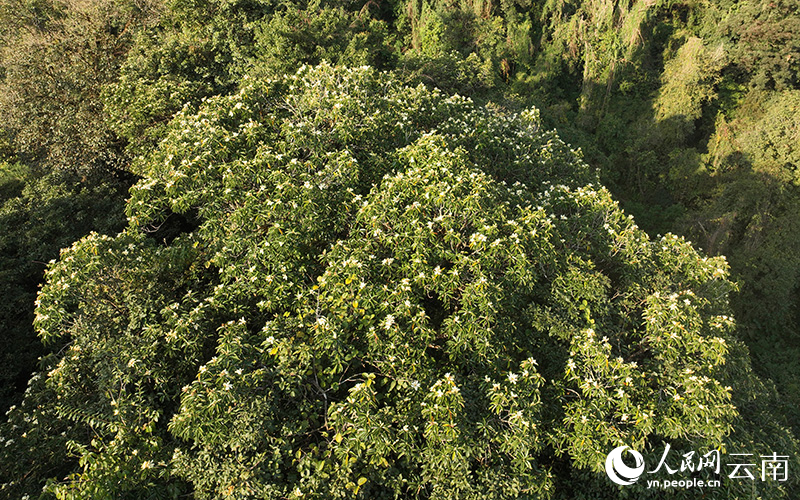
(388, 322)
(415, 385)
(512, 377)
(477, 237)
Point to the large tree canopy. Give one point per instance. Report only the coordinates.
(333, 285)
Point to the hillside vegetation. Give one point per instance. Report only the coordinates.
(407, 249)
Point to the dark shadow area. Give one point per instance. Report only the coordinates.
(173, 226)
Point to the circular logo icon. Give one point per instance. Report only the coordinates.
(619, 472)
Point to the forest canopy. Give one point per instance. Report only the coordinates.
(378, 282)
(258, 249)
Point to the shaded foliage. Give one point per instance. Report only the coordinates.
(38, 217)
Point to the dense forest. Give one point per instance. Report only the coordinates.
(432, 249)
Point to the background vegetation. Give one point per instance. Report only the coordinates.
(689, 112)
